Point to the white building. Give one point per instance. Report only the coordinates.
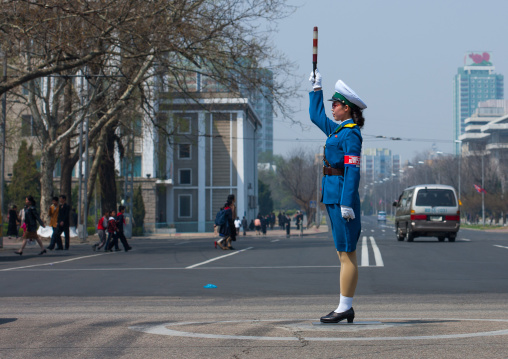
(211, 154)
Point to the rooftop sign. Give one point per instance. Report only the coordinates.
(477, 59)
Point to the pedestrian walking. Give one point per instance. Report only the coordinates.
(12, 228)
(257, 224)
(53, 222)
(341, 178)
(120, 221)
(111, 229)
(244, 225)
(238, 224)
(31, 219)
(287, 221)
(63, 223)
(101, 231)
(227, 227)
(264, 224)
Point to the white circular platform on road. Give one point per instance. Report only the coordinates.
(307, 330)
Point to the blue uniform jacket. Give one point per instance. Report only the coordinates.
(347, 142)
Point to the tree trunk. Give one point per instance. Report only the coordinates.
(107, 173)
(94, 170)
(65, 160)
(47, 191)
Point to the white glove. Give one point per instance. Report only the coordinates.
(316, 81)
(347, 212)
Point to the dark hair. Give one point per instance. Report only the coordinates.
(55, 199)
(231, 198)
(31, 200)
(120, 208)
(63, 196)
(357, 115)
(14, 206)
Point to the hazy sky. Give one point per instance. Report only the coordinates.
(399, 56)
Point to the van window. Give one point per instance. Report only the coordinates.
(435, 198)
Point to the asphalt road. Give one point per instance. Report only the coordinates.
(424, 299)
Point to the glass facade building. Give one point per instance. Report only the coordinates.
(474, 82)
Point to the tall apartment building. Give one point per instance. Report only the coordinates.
(262, 102)
(378, 164)
(473, 83)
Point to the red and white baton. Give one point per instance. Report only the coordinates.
(314, 51)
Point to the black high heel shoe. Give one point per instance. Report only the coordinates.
(42, 252)
(337, 317)
(18, 252)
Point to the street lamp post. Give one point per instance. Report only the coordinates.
(460, 159)
(483, 192)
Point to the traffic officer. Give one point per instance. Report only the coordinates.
(341, 178)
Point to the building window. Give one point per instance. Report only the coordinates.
(184, 151)
(185, 176)
(185, 206)
(184, 125)
(27, 126)
(135, 165)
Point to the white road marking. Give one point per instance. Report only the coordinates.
(365, 252)
(52, 263)
(217, 258)
(383, 230)
(495, 245)
(372, 230)
(465, 240)
(275, 240)
(165, 329)
(377, 253)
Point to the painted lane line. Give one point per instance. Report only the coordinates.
(495, 245)
(52, 263)
(217, 258)
(377, 253)
(372, 230)
(383, 230)
(465, 240)
(365, 252)
(275, 240)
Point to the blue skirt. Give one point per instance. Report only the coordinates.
(345, 233)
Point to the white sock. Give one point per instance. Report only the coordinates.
(345, 304)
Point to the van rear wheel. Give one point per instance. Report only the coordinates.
(400, 235)
(409, 234)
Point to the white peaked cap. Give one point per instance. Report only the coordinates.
(349, 94)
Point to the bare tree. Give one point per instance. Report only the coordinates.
(298, 173)
(132, 43)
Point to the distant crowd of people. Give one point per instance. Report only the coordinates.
(59, 214)
(228, 225)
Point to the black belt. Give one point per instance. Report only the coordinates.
(330, 171)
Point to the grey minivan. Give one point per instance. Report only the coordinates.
(427, 211)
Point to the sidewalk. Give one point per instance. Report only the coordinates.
(15, 243)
